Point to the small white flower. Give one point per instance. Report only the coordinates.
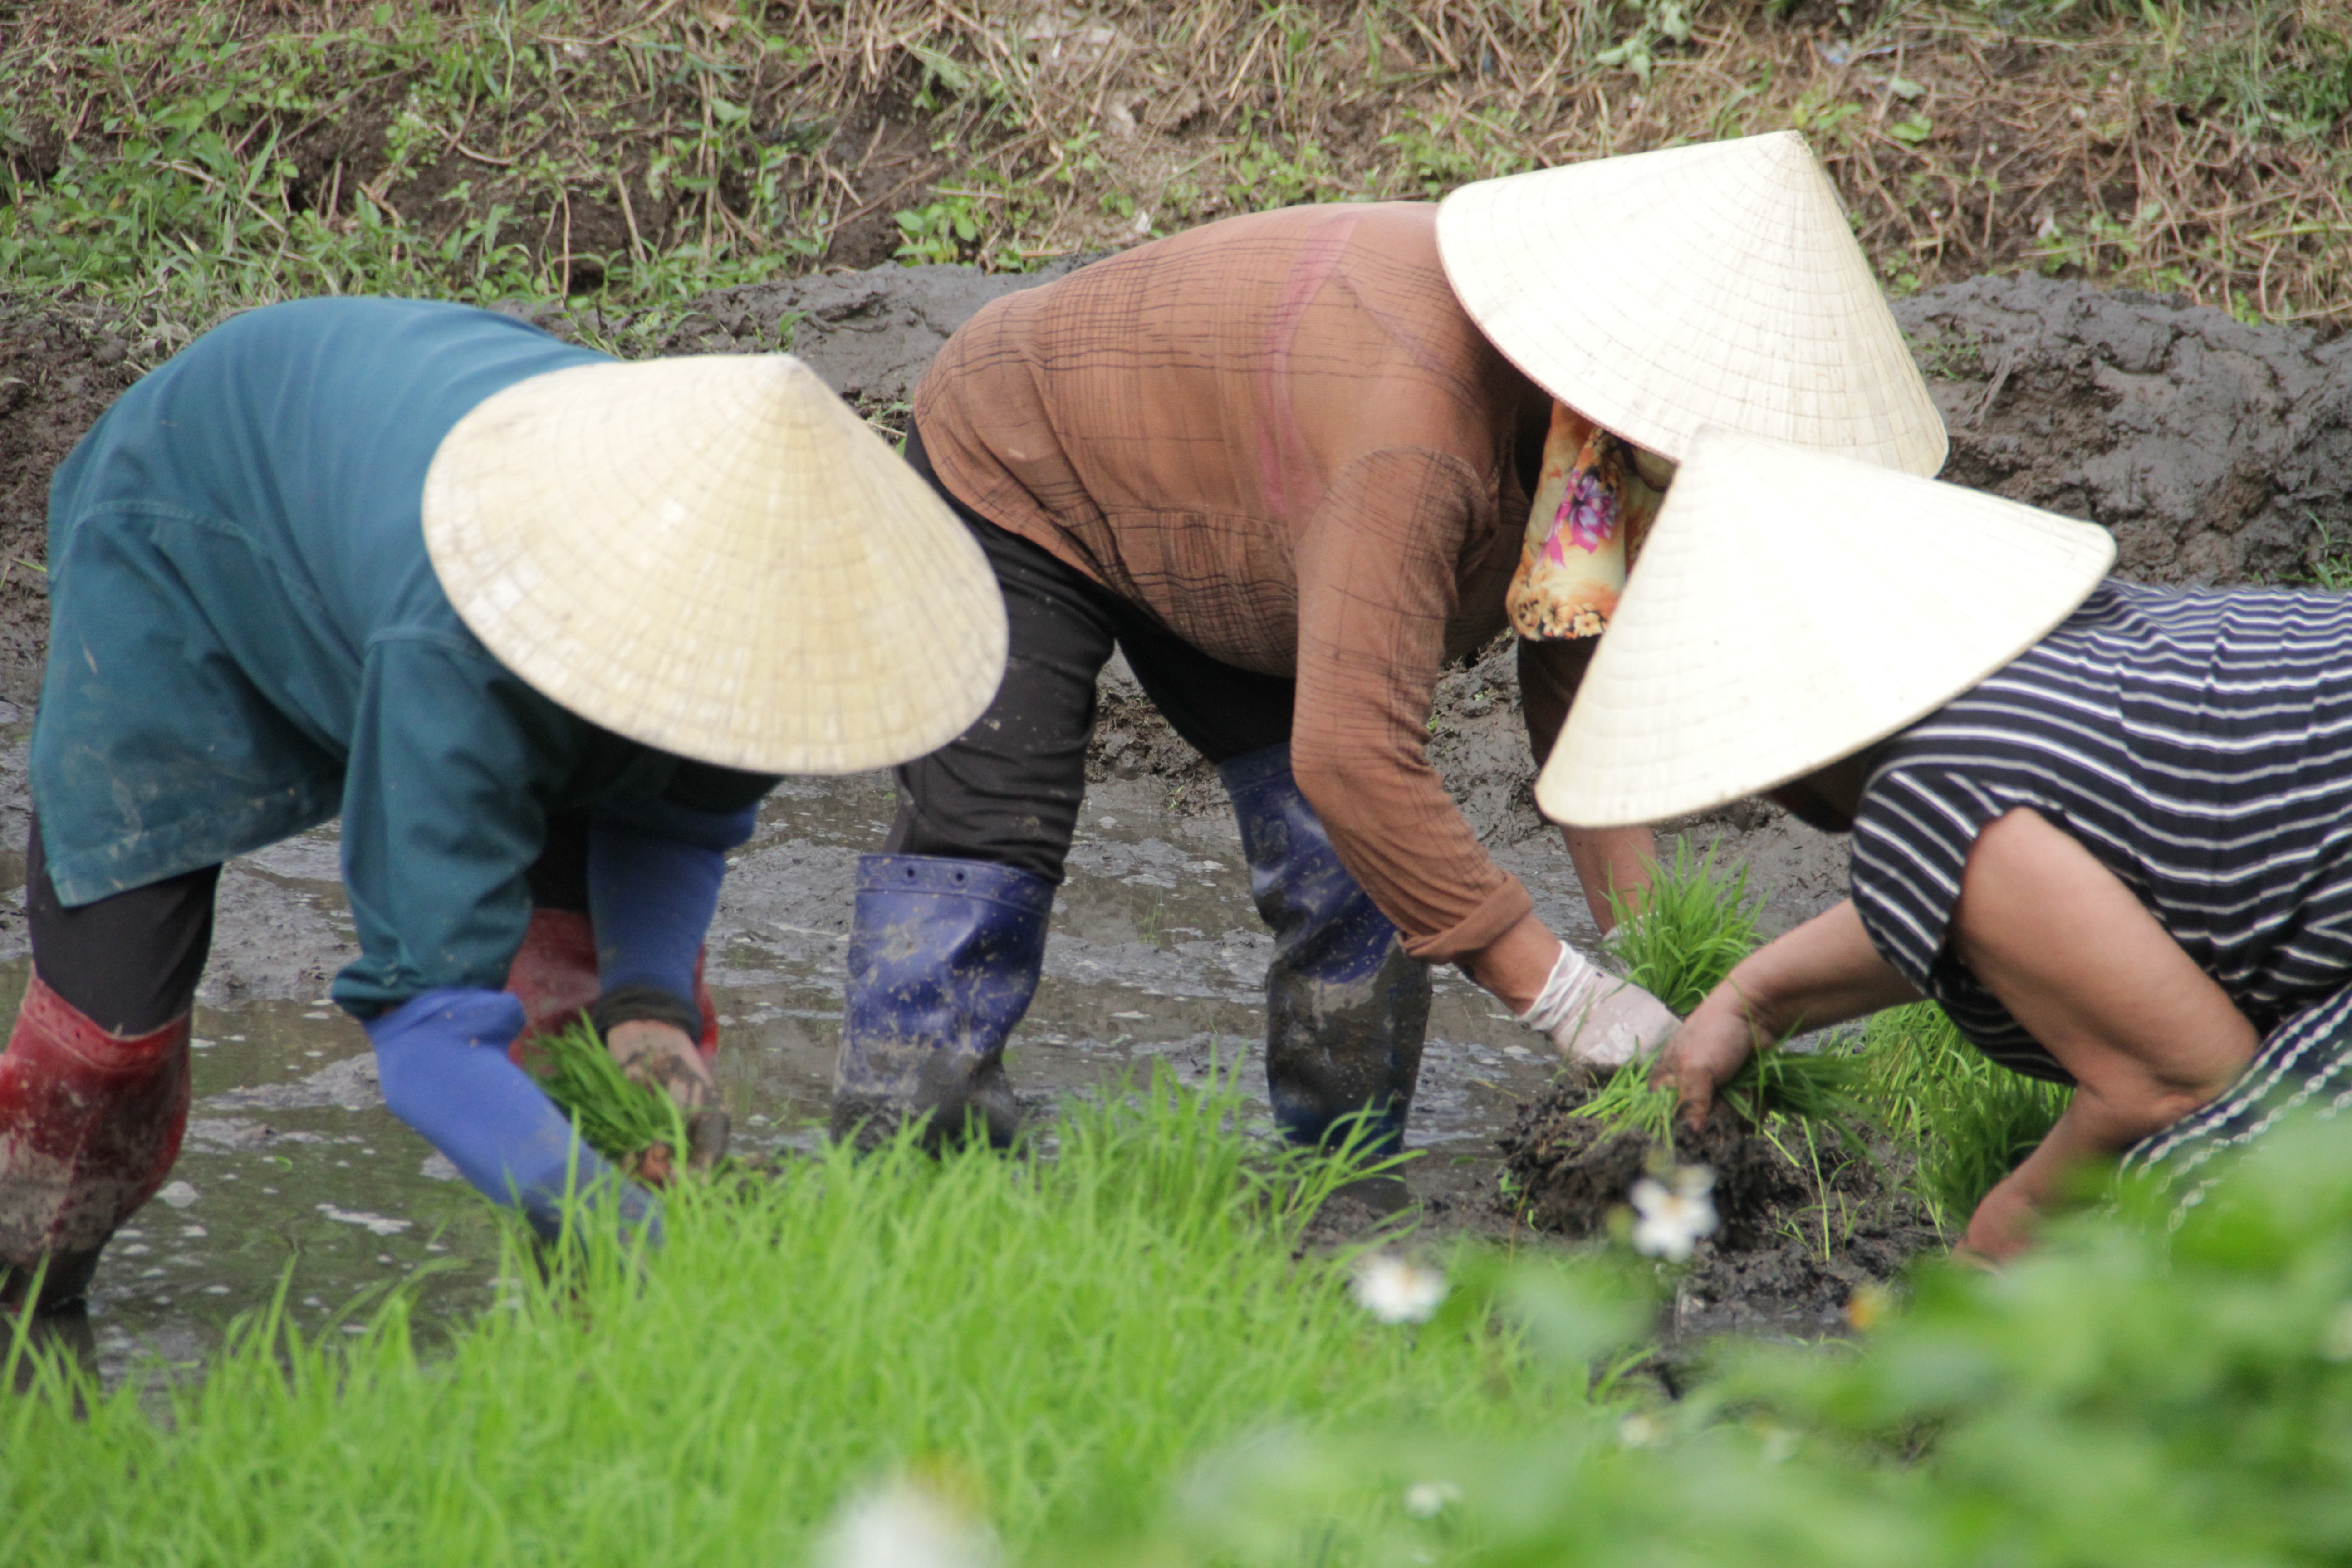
(1641, 1430)
(1672, 1218)
(1396, 1291)
(1427, 1499)
(905, 1524)
(179, 1195)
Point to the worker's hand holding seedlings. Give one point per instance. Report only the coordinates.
(543, 629)
(1293, 466)
(2099, 823)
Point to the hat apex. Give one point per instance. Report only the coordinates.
(1715, 284)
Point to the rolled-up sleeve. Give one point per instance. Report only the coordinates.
(1377, 568)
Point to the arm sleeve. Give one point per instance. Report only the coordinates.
(1912, 838)
(442, 1061)
(1377, 570)
(654, 871)
(452, 759)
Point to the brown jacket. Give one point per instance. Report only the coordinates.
(1282, 436)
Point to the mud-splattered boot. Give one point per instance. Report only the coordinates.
(90, 1124)
(1346, 1007)
(943, 959)
(554, 974)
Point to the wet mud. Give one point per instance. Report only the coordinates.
(1804, 1222)
(2217, 453)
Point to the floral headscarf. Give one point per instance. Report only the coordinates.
(1592, 509)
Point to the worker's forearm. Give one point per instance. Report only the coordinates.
(2095, 1127)
(1515, 966)
(442, 1058)
(1825, 972)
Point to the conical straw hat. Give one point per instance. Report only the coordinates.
(1789, 609)
(1718, 284)
(712, 556)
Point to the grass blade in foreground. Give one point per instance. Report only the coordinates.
(1070, 1336)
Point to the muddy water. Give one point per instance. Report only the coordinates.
(294, 1172)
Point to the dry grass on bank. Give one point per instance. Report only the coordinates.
(655, 149)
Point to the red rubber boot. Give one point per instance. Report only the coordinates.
(90, 1124)
(708, 1044)
(554, 973)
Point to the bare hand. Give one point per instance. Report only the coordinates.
(1825, 972)
(659, 1056)
(1709, 1049)
(2001, 1228)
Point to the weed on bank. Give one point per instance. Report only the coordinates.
(203, 156)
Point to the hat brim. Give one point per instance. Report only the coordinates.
(714, 556)
(1791, 609)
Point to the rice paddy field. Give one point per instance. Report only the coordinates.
(1119, 1352)
(2114, 233)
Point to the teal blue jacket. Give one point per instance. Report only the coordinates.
(246, 638)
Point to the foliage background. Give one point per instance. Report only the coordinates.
(220, 152)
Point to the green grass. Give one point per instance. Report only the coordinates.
(516, 149)
(1968, 1119)
(1688, 931)
(2130, 1395)
(1068, 1337)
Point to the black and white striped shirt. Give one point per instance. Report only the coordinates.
(2199, 745)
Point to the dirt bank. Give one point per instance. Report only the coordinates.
(2217, 453)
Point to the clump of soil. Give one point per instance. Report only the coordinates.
(1803, 1225)
(60, 365)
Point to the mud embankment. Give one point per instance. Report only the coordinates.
(2217, 453)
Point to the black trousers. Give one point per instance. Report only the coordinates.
(130, 962)
(1008, 789)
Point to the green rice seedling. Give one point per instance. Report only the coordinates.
(1680, 939)
(1813, 1088)
(1628, 1101)
(1064, 1338)
(618, 1118)
(1970, 1120)
(1820, 1086)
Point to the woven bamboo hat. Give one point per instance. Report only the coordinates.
(1716, 284)
(712, 556)
(1792, 608)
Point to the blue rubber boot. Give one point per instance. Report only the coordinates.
(1346, 1007)
(943, 958)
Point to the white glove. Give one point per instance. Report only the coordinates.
(1596, 1019)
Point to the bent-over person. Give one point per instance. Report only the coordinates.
(1293, 465)
(531, 622)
